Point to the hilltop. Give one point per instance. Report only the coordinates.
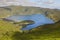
(24, 10)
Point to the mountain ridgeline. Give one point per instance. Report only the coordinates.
(24, 10)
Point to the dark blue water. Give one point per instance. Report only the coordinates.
(39, 19)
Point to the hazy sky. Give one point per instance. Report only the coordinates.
(37, 3)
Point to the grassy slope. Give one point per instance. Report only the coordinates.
(9, 31)
(6, 29)
(20, 10)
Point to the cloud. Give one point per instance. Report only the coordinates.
(36, 3)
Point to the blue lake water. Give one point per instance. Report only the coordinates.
(39, 19)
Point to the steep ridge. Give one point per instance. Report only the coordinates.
(24, 10)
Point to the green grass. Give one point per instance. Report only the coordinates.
(21, 10)
(9, 31)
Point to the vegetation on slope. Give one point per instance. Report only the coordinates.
(9, 31)
(21, 10)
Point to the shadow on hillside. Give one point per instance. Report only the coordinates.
(21, 36)
(45, 31)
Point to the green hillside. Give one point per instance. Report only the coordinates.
(21, 10)
(10, 31)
